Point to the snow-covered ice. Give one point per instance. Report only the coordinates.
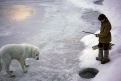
(110, 71)
(56, 26)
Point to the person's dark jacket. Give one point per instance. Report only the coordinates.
(105, 34)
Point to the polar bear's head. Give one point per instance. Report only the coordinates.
(35, 52)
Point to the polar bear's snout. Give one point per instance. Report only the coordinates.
(37, 57)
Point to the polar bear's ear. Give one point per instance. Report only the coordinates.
(32, 52)
(37, 51)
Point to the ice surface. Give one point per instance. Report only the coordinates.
(56, 28)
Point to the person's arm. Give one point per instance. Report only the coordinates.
(105, 32)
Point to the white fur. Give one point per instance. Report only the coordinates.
(18, 52)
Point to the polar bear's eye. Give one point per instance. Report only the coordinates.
(36, 54)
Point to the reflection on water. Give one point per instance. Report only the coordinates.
(16, 12)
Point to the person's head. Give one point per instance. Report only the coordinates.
(102, 18)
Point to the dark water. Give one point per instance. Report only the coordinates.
(99, 2)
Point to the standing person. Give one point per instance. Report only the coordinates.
(104, 39)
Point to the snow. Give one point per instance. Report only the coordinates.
(110, 71)
(56, 26)
(113, 9)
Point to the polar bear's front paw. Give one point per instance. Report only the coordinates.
(27, 65)
(25, 71)
(12, 75)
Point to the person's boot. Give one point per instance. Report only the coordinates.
(105, 58)
(100, 54)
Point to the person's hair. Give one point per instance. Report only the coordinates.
(101, 17)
